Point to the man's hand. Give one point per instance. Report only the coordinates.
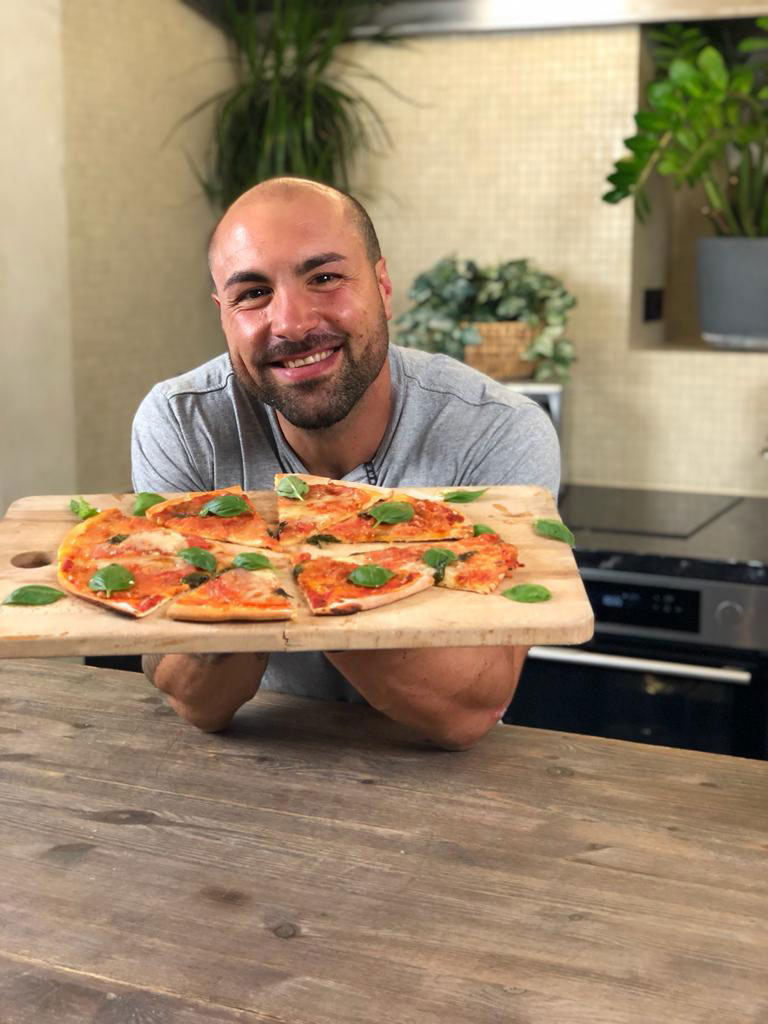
(206, 690)
(451, 695)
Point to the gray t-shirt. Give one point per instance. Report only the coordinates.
(450, 427)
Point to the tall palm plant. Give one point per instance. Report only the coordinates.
(293, 109)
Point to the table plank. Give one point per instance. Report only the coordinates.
(34, 526)
(318, 864)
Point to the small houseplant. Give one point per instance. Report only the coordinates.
(457, 305)
(706, 123)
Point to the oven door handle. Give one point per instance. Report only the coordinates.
(574, 656)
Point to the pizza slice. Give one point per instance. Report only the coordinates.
(236, 594)
(333, 586)
(404, 517)
(310, 506)
(224, 515)
(477, 564)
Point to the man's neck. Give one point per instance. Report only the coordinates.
(335, 451)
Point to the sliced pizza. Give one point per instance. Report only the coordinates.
(224, 515)
(237, 594)
(478, 564)
(333, 586)
(403, 517)
(309, 506)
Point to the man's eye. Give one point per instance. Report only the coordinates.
(253, 293)
(325, 278)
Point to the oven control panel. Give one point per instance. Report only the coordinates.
(702, 611)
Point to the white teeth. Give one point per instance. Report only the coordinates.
(292, 363)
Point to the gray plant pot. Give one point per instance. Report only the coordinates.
(732, 281)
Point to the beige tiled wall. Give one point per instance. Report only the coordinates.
(503, 153)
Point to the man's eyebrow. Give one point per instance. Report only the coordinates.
(246, 276)
(318, 261)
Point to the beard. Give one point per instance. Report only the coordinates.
(317, 404)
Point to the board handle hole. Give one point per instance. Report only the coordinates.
(31, 560)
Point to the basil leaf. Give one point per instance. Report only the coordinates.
(251, 560)
(118, 538)
(466, 555)
(280, 592)
(226, 506)
(111, 578)
(463, 496)
(479, 528)
(297, 570)
(292, 487)
(33, 593)
(82, 508)
(370, 576)
(437, 559)
(145, 500)
(323, 538)
(555, 529)
(195, 579)
(391, 512)
(527, 593)
(199, 557)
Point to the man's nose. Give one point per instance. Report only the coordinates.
(292, 313)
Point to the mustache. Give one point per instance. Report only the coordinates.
(278, 350)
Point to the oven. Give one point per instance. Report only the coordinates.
(680, 652)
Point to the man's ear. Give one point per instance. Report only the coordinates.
(385, 286)
(216, 299)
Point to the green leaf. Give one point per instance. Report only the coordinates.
(110, 579)
(711, 63)
(463, 497)
(118, 538)
(226, 506)
(437, 559)
(199, 558)
(322, 538)
(297, 570)
(145, 500)
(292, 487)
(391, 512)
(527, 592)
(252, 560)
(82, 508)
(683, 74)
(34, 594)
(370, 576)
(480, 528)
(195, 579)
(554, 529)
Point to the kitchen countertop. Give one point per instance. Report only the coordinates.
(317, 865)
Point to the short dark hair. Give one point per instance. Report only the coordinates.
(355, 208)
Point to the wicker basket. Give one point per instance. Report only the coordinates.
(499, 353)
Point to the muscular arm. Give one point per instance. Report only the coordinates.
(453, 695)
(206, 690)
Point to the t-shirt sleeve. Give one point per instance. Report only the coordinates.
(522, 448)
(160, 457)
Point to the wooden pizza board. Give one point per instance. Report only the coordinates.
(34, 527)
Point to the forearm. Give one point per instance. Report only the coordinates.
(451, 695)
(206, 691)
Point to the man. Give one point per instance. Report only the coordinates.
(311, 385)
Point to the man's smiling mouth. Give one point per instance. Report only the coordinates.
(314, 358)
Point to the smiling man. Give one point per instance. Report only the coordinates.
(310, 384)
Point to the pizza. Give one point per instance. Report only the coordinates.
(335, 586)
(139, 567)
(403, 517)
(478, 564)
(239, 594)
(310, 506)
(225, 515)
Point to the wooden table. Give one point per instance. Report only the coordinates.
(316, 865)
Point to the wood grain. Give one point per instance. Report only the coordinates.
(33, 528)
(317, 864)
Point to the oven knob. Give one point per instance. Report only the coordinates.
(728, 613)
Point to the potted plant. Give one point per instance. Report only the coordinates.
(706, 124)
(293, 109)
(506, 319)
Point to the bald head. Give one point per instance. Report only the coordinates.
(282, 189)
